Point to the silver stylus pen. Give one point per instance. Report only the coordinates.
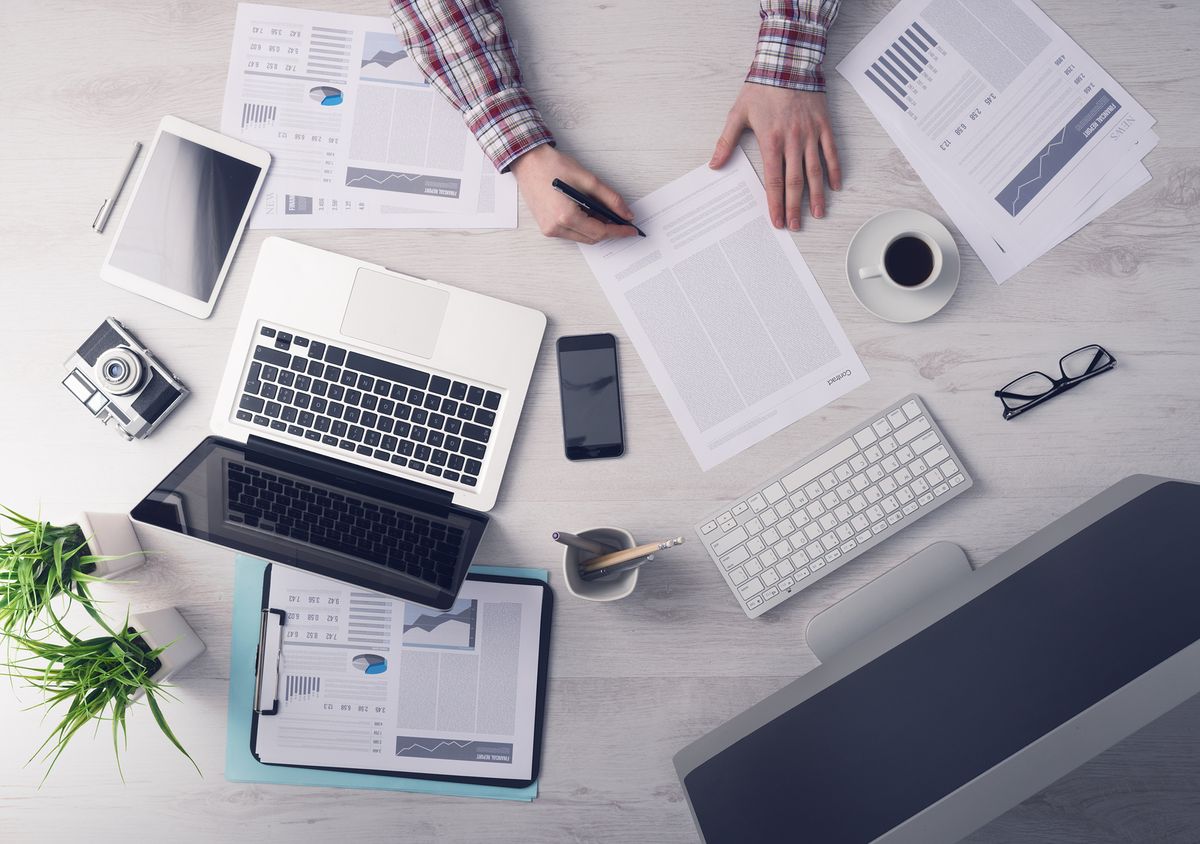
(106, 208)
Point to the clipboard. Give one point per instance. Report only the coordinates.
(242, 766)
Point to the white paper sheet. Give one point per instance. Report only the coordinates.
(371, 682)
(724, 312)
(357, 138)
(1014, 128)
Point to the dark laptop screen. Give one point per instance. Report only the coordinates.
(944, 706)
(316, 514)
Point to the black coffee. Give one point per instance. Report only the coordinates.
(909, 261)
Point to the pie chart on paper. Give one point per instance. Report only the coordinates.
(326, 95)
(370, 663)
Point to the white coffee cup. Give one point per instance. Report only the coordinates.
(896, 276)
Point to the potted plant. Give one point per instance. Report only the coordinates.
(101, 677)
(40, 561)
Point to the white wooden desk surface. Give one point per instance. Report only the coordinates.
(638, 91)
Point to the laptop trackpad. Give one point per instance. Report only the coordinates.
(389, 311)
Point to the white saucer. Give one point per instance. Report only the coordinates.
(881, 298)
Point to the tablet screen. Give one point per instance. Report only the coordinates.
(184, 217)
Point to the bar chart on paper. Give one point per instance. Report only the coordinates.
(911, 59)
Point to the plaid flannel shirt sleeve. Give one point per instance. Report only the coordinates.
(791, 43)
(463, 49)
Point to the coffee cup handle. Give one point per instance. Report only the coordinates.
(870, 272)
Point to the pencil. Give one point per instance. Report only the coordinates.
(628, 554)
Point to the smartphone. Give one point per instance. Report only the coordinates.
(591, 397)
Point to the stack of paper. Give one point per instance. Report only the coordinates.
(357, 138)
(1016, 131)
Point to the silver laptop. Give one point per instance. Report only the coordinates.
(364, 421)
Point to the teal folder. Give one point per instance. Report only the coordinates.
(240, 764)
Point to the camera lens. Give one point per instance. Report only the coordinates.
(120, 370)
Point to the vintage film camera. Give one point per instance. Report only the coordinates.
(118, 379)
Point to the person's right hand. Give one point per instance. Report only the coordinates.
(558, 216)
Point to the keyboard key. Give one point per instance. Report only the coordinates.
(245, 416)
(272, 356)
(924, 442)
(738, 576)
(485, 417)
(439, 385)
(465, 412)
(391, 371)
(912, 430)
(773, 492)
(295, 430)
(843, 472)
(865, 437)
(770, 593)
(278, 425)
(828, 481)
(491, 400)
(750, 588)
(956, 480)
(753, 602)
(882, 428)
(252, 403)
(267, 331)
(299, 364)
(432, 402)
(473, 467)
(754, 566)
(755, 545)
(290, 414)
(340, 428)
(273, 409)
(476, 432)
(911, 409)
(936, 456)
(735, 557)
(458, 390)
(724, 544)
(475, 395)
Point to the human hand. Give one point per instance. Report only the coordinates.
(558, 216)
(793, 130)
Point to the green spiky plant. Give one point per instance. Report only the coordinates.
(96, 679)
(40, 562)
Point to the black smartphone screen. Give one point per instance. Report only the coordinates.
(591, 396)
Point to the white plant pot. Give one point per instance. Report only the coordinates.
(111, 535)
(167, 627)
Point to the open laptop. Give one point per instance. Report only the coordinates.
(364, 421)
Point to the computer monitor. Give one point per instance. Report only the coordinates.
(978, 697)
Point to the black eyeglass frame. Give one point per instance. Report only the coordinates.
(1060, 385)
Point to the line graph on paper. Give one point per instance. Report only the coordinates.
(415, 183)
(457, 750)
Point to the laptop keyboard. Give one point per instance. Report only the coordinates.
(346, 401)
(294, 509)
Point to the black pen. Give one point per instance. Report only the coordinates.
(592, 206)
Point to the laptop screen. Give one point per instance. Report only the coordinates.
(316, 514)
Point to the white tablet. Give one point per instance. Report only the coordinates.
(186, 216)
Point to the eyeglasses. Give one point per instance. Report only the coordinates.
(1033, 388)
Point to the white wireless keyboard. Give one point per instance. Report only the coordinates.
(788, 533)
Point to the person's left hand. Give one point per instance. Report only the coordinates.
(793, 130)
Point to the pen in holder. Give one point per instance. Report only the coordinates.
(581, 547)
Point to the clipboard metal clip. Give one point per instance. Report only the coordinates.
(266, 666)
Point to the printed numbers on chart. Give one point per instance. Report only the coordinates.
(945, 145)
(312, 634)
(331, 618)
(333, 601)
(328, 706)
(989, 99)
(329, 637)
(345, 707)
(1068, 70)
(381, 710)
(314, 599)
(313, 616)
(293, 616)
(362, 708)
(960, 128)
(975, 114)
(1058, 62)
(1087, 89)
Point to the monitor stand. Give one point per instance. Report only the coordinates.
(892, 593)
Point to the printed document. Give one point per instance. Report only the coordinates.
(724, 312)
(357, 138)
(371, 682)
(1019, 134)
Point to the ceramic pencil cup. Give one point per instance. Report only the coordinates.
(611, 587)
